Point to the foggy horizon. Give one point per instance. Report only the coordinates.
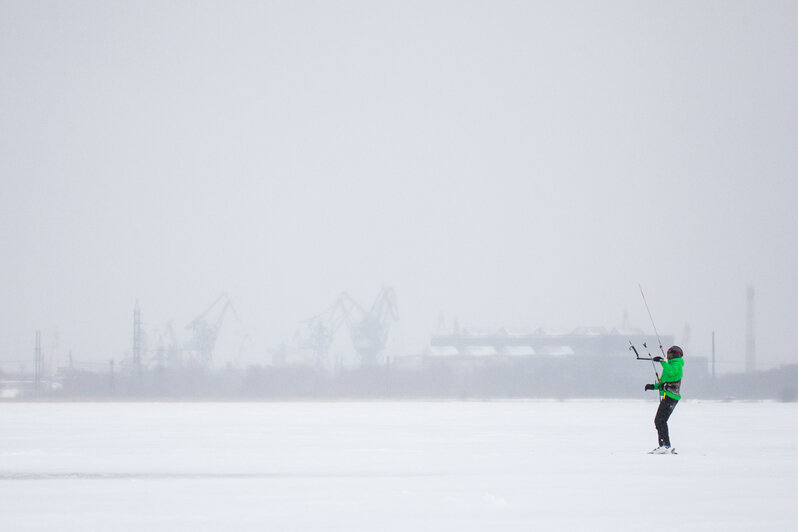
(501, 164)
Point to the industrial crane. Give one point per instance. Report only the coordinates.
(205, 331)
(168, 353)
(370, 333)
(368, 329)
(318, 332)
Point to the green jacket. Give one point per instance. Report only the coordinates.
(671, 373)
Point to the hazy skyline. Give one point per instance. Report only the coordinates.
(507, 164)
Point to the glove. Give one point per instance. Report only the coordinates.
(657, 359)
(650, 387)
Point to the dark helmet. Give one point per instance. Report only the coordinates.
(675, 351)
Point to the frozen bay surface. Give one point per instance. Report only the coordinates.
(494, 465)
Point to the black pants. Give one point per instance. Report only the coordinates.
(664, 411)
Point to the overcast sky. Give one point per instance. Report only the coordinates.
(518, 164)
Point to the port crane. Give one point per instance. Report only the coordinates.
(205, 329)
(368, 329)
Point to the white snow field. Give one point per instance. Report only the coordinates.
(416, 466)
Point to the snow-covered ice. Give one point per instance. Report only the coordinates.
(494, 465)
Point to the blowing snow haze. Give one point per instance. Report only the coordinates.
(503, 163)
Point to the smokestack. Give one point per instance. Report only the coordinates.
(38, 364)
(750, 343)
(713, 356)
(137, 334)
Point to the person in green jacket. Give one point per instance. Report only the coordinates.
(669, 387)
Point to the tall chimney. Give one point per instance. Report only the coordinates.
(137, 337)
(750, 339)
